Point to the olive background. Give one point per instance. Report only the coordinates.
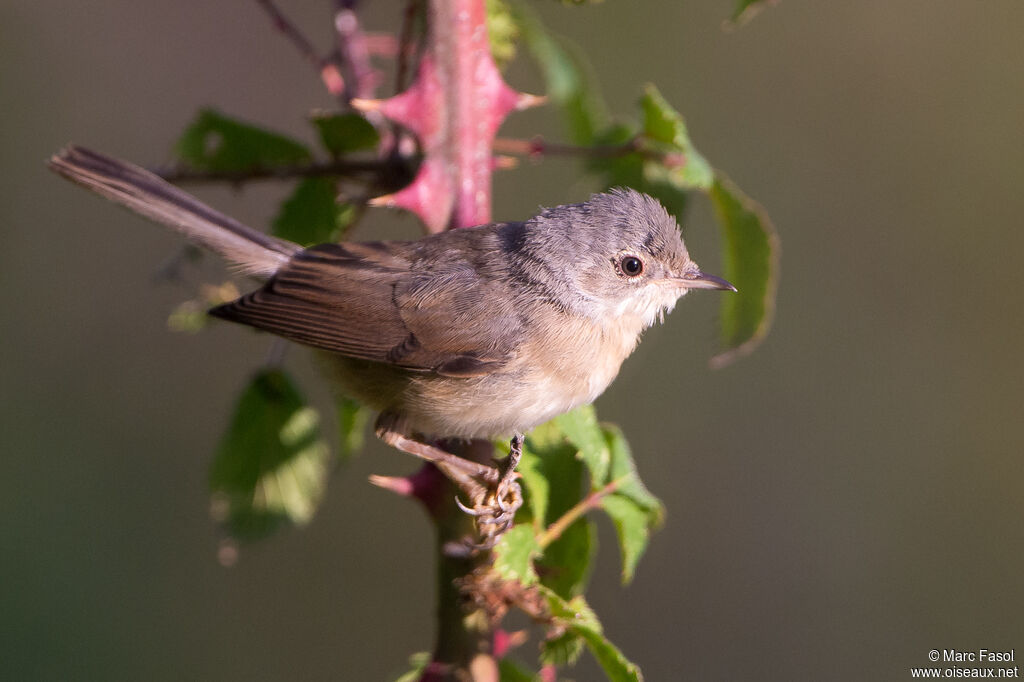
(839, 503)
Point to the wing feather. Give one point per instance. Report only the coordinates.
(375, 301)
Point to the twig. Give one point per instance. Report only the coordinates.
(353, 50)
(383, 171)
(328, 70)
(405, 44)
(537, 146)
(591, 501)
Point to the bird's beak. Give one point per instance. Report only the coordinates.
(702, 280)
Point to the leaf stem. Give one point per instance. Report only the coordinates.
(591, 501)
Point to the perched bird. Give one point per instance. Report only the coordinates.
(476, 332)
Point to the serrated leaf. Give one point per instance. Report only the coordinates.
(581, 428)
(565, 649)
(750, 262)
(616, 666)
(215, 142)
(514, 555)
(568, 561)
(502, 31)
(419, 662)
(623, 470)
(536, 488)
(271, 467)
(632, 526)
(577, 617)
(664, 129)
(510, 671)
(552, 475)
(567, 76)
(343, 134)
(575, 611)
(352, 420)
(311, 215)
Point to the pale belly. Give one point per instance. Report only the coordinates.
(544, 380)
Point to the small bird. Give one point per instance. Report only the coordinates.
(478, 332)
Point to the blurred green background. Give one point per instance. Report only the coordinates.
(839, 503)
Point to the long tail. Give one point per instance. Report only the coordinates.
(253, 251)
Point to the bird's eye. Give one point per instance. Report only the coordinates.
(631, 266)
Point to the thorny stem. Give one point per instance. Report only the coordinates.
(464, 638)
(588, 503)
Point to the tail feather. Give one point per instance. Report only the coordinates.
(253, 251)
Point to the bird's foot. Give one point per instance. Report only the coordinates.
(495, 497)
(493, 492)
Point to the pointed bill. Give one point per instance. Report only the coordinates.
(703, 280)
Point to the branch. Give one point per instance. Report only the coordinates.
(381, 171)
(329, 72)
(405, 44)
(588, 503)
(354, 51)
(537, 146)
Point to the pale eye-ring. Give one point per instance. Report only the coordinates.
(631, 266)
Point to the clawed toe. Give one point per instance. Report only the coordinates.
(494, 511)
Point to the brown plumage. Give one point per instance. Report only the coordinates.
(475, 332)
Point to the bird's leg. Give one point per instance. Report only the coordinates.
(494, 494)
(509, 475)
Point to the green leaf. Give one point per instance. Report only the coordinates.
(536, 488)
(343, 134)
(581, 428)
(352, 420)
(568, 561)
(567, 76)
(190, 317)
(578, 618)
(271, 467)
(565, 649)
(217, 143)
(746, 10)
(623, 471)
(514, 555)
(634, 511)
(311, 215)
(680, 165)
(552, 475)
(510, 671)
(632, 525)
(502, 31)
(419, 662)
(751, 255)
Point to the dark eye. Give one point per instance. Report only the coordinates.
(631, 265)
